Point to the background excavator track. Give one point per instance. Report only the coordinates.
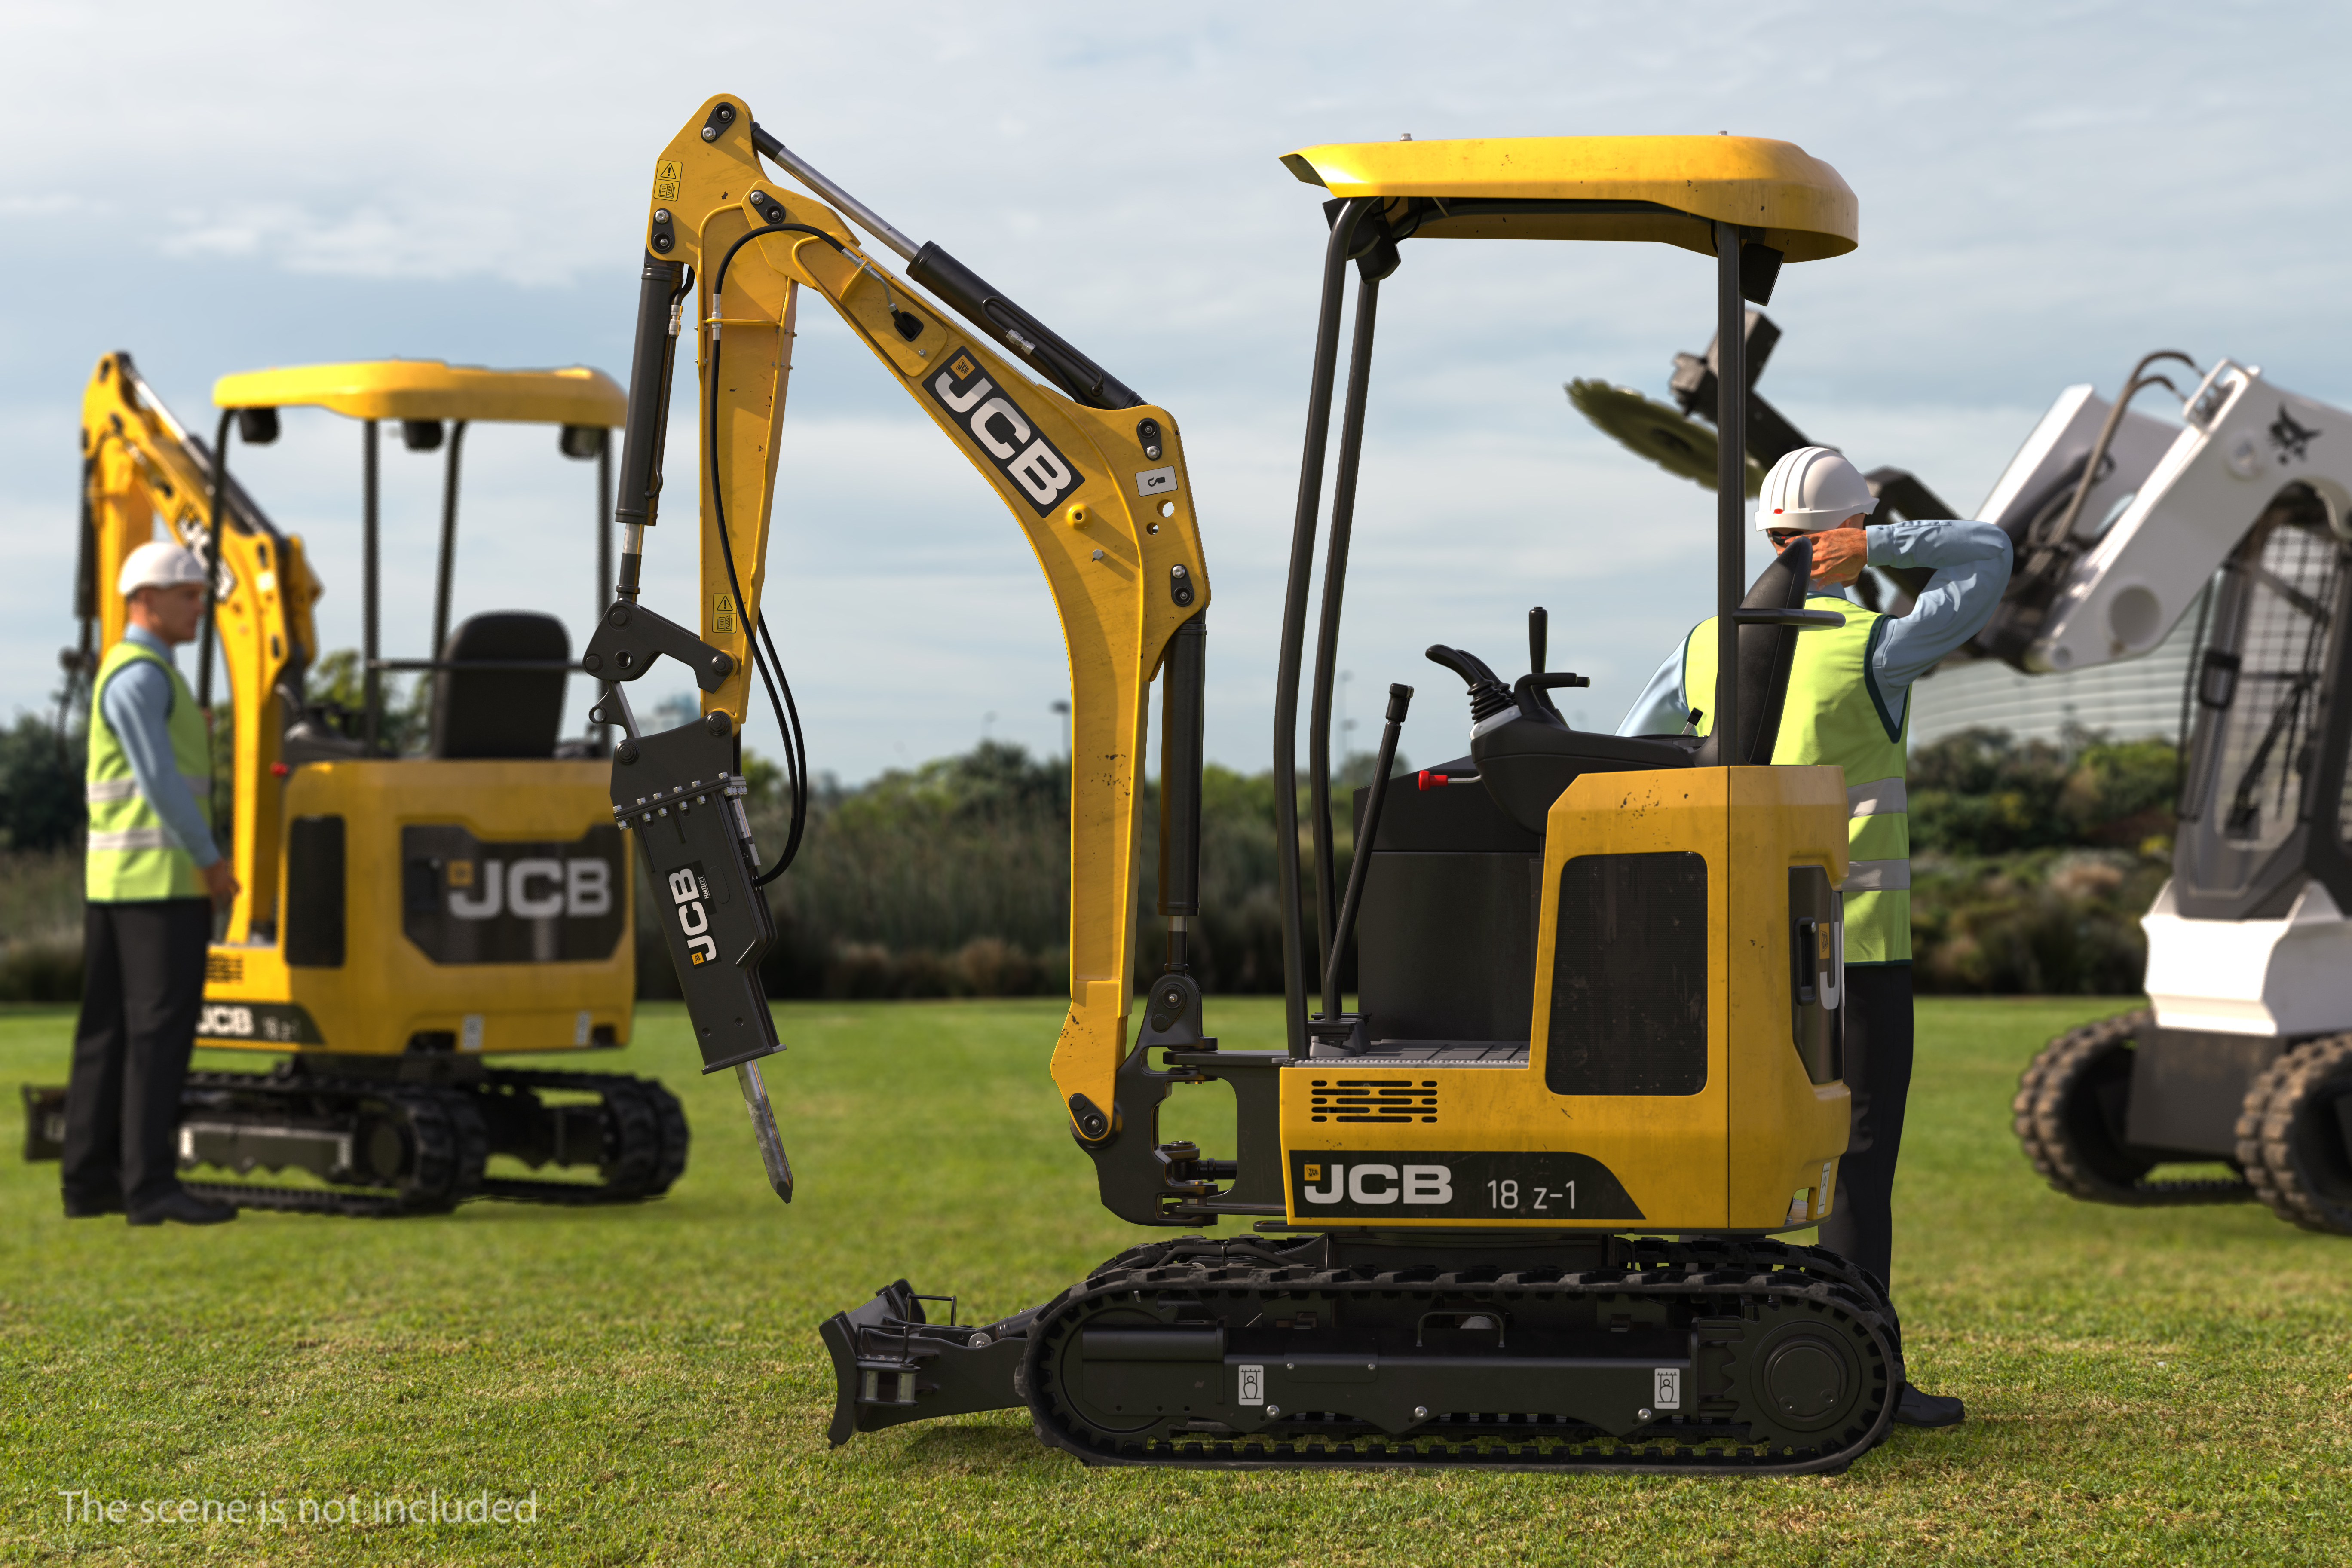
(422, 1148)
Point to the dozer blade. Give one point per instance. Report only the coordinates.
(891, 1364)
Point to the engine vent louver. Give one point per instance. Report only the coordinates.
(1374, 1099)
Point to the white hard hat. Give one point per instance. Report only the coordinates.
(158, 564)
(1811, 489)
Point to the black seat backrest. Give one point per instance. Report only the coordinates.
(491, 712)
(1766, 656)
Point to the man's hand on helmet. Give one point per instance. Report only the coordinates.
(1839, 553)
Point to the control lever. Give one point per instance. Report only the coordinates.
(1400, 699)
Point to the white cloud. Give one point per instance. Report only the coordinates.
(2044, 197)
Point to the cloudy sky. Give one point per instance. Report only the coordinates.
(2047, 192)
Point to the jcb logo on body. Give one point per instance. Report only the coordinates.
(1379, 1184)
(220, 1021)
(687, 892)
(997, 425)
(531, 889)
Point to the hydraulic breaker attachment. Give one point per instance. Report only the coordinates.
(679, 794)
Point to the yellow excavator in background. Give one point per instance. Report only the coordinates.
(400, 917)
(1600, 976)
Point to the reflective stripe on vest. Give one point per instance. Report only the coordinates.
(132, 856)
(131, 838)
(1834, 715)
(123, 789)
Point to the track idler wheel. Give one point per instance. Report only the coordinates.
(2295, 1135)
(2069, 1113)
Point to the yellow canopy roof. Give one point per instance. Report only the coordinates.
(428, 389)
(1806, 211)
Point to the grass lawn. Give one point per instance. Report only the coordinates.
(2142, 1387)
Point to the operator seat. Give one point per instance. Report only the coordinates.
(487, 712)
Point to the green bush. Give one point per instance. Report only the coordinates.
(2032, 863)
(953, 879)
(41, 785)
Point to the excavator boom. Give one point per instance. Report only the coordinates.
(1093, 477)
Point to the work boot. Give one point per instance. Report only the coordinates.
(182, 1208)
(1917, 1409)
(81, 1206)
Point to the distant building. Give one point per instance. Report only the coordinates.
(2129, 700)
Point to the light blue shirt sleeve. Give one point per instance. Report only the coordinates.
(137, 703)
(1659, 710)
(1970, 561)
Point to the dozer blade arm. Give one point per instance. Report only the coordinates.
(1093, 476)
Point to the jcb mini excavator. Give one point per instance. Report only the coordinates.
(1601, 977)
(2238, 520)
(401, 916)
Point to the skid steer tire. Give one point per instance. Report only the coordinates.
(2295, 1136)
(2069, 1115)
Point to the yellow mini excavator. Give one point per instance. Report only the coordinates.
(400, 917)
(1518, 1209)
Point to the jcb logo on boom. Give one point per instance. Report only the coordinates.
(1015, 448)
(687, 893)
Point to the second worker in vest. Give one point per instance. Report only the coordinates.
(153, 879)
(1849, 705)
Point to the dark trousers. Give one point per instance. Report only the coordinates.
(143, 986)
(1877, 1012)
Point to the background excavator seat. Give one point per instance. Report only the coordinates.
(490, 712)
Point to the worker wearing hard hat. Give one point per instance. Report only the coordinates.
(1849, 705)
(153, 877)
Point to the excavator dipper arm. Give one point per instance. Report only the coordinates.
(1093, 476)
(140, 464)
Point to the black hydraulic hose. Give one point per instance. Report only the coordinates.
(1294, 623)
(1327, 632)
(756, 637)
(1400, 697)
(795, 762)
(212, 562)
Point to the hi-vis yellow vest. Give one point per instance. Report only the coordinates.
(133, 856)
(1835, 715)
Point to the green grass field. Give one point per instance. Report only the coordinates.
(2142, 1387)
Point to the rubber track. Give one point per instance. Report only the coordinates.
(652, 1143)
(2267, 1128)
(2039, 1118)
(453, 1144)
(1487, 1440)
(449, 1142)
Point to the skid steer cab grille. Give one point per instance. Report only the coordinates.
(1374, 1099)
(224, 968)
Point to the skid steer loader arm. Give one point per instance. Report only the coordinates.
(1093, 476)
